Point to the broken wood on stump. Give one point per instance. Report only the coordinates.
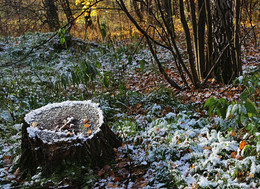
(71, 130)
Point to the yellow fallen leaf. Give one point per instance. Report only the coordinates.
(34, 124)
(251, 176)
(86, 125)
(232, 133)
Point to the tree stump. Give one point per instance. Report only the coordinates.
(69, 131)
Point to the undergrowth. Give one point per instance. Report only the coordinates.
(179, 144)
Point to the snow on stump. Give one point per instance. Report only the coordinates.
(68, 131)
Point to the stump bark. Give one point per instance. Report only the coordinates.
(69, 131)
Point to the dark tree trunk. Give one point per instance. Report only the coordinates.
(52, 15)
(222, 15)
(67, 10)
(209, 34)
(71, 131)
(201, 37)
(237, 45)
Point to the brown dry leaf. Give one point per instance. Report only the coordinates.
(101, 172)
(7, 157)
(242, 145)
(207, 148)
(239, 157)
(112, 173)
(110, 185)
(122, 164)
(139, 105)
(144, 184)
(116, 179)
(89, 132)
(233, 154)
(107, 167)
(232, 133)
(114, 149)
(17, 172)
(139, 172)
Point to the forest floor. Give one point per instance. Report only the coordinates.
(170, 139)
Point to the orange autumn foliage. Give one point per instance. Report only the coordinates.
(242, 145)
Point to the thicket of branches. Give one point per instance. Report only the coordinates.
(212, 29)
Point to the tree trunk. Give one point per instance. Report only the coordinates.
(52, 15)
(237, 47)
(222, 15)
(73, 131)
(67, 10)
(209, 35)
(201, 39)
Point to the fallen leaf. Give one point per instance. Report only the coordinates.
(207, 148)
(242, 145)
(195, 185)
(85, 120)
(122, 164)
(239, 157)
(89, 132)
(86, 125)
(233, 154)
(232, 133)
(34, 124)
(251, 176)
(144, 184)
(116, 179)
(101, 172)
(107, 167)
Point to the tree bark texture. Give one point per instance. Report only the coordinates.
(52, 15)
(72, 131)
(223, 30)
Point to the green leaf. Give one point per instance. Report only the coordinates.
(98, 64)
(251, 108)
(105, 81)
(244, 96)
(62, 40)
(209, 102)
(130, 59)
(142, 62)
(121, 88)
(103, 30)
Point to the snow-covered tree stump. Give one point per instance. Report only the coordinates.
(71, 130)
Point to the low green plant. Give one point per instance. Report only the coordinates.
(217, 106)
(244, 112)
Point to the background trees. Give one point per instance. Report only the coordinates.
(212, 44)
(211, 29)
